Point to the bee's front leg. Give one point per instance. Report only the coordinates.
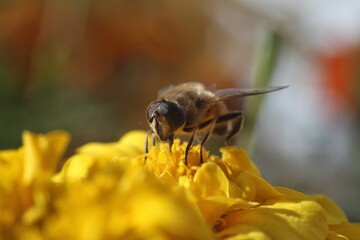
(206, 137)
(170, 141)
(146, 144)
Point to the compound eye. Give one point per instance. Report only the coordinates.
(152, 112)
(173, 114)
(165, 118)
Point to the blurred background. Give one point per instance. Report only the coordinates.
(91, 67)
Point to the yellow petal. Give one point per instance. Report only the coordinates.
(292, 195)
(255, 188)
(238, 160)
(42, 153)
(334, 213)
(243, 232)
(108, 150)
(129, 146)
(213, 208)
(178, 218)
(211, 180)
(11, 165)
(284, 220)
(75, 168)
(134, 142)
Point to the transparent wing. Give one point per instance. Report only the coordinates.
(165, 89)
(232, 93)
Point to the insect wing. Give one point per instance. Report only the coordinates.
(233, 93)
(164, 90)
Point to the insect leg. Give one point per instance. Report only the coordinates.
(153, 139)
(238, 118)
(206, 138)
(211, 122)
(201, 126)
(189, 145)
(238, 115)
(236, 128)
(171, 141)
(146, 144)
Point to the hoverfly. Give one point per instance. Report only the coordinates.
(190, 108)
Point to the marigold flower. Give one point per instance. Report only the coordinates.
(107, 191)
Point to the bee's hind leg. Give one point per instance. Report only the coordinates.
(238, 121)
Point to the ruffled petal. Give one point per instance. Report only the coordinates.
(42, 153)
(211, 181)
(238, 160)
(283, 220)
(243, 232)
(334, 213)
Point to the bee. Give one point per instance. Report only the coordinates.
(191, 109)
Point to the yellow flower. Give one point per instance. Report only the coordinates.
(107, 191)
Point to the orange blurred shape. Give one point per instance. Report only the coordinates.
(342, 78)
